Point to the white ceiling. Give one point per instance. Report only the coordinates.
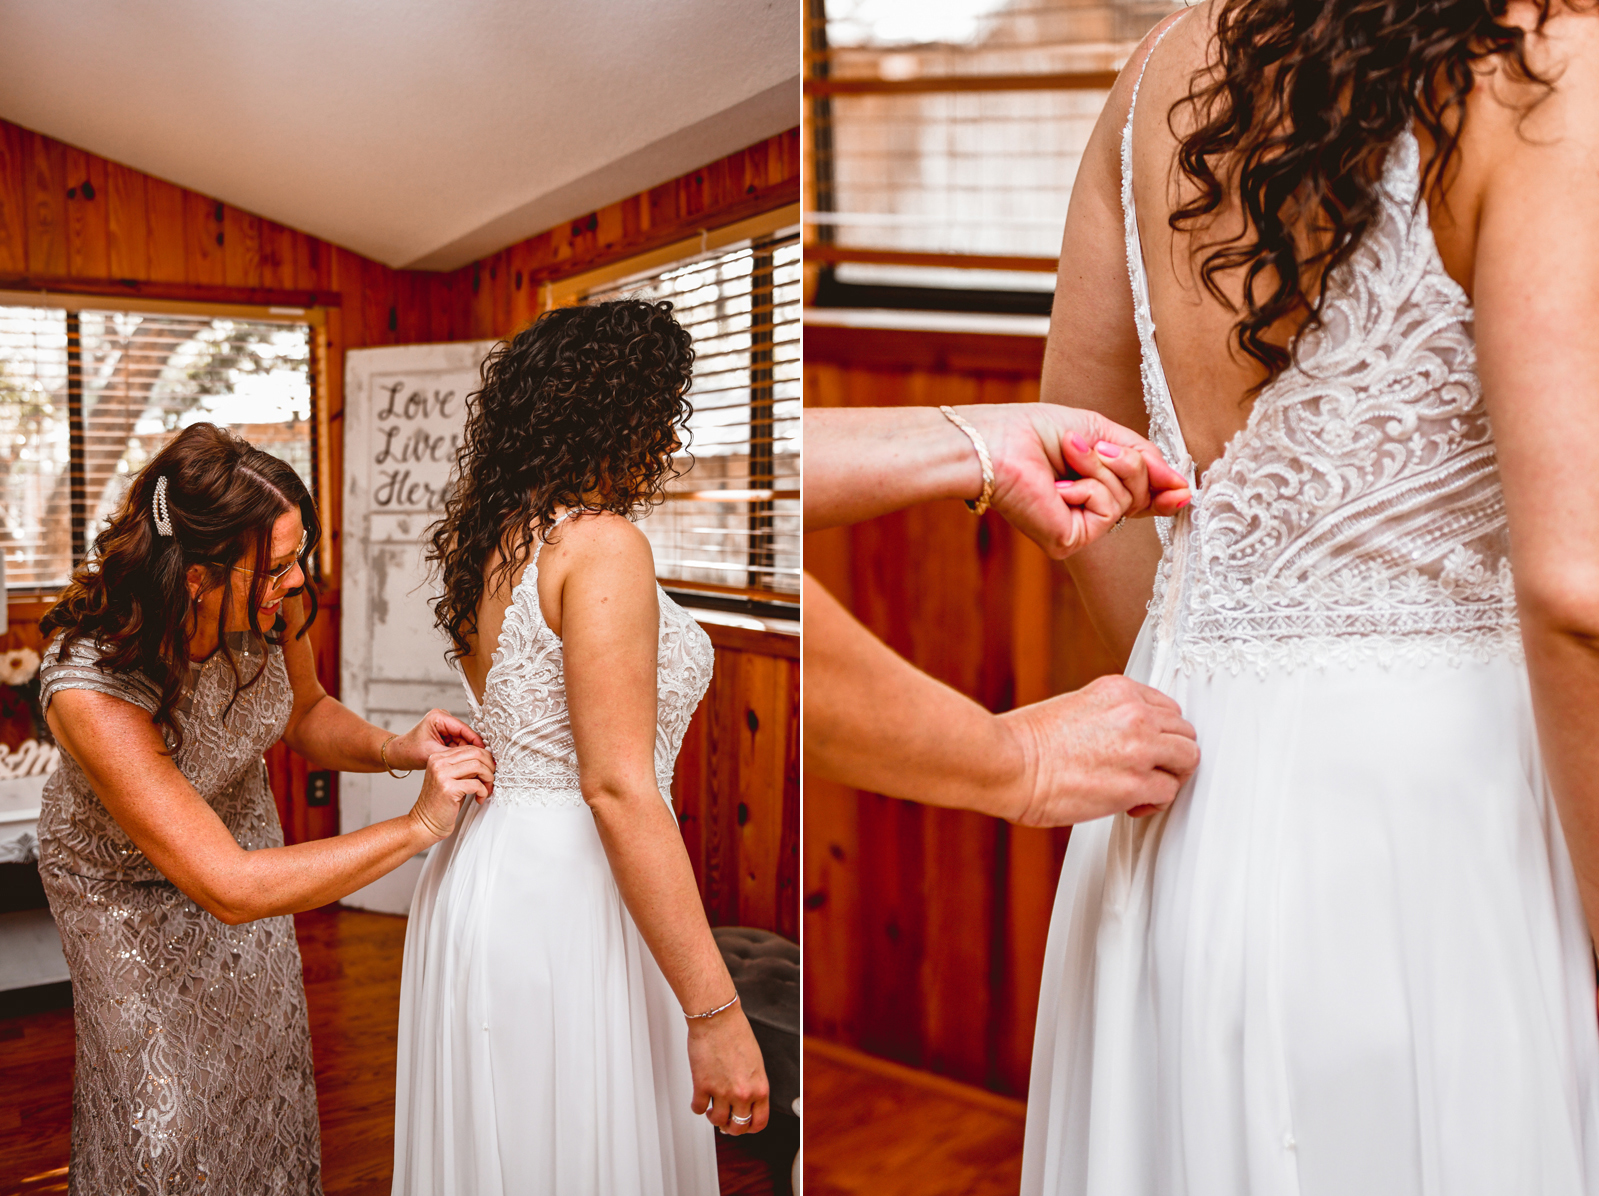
(421, 133)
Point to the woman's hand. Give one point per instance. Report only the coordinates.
(729, 1075)
(453, 775)
(1114, 745)
(1064, 477)
(437, 731)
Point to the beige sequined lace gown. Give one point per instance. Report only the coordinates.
(194, 1054)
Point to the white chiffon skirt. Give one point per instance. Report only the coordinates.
(1350, 961)
(541, 1051)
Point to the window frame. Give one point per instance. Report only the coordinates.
(823, 255)
(318, 375)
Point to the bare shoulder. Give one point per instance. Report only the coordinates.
(1556, 108)
(600, 539)
(601, 560)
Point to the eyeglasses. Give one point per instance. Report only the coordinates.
(276, 575)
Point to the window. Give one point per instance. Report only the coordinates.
(731, 523)
(945, 140)
(88, 396)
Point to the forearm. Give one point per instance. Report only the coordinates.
(864, 462)
(331, 735)
(1563, 668)
(876, 722)
(652, 870)
(286, 880)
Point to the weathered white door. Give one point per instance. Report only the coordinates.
(404, 408)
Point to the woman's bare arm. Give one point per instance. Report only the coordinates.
(329, 734)
(875, 721)
(1536, 292)
(609, 623)
(863, 462)
(124, 759)
(1092, 360)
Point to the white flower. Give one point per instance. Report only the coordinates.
(18, 666)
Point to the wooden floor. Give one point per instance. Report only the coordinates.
(352, 983)
(874, 1128)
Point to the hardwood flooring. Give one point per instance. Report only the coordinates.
(352, 983)
(874, 1128)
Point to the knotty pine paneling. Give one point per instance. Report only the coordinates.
(925, 928)
(500, 293)
(132, 233)
(737, 784)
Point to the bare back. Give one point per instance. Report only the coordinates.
(1211, 381)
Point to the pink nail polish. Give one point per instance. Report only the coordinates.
(1080, 445)
(1106, 449)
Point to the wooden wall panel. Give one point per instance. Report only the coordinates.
(737, 784)
(164, 205)
(925, 928)
(45, 176)
(127, 223)
(87, 231)
(486, 297)
(241, 249)
(13, 198)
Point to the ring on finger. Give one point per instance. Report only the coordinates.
(737, 1120)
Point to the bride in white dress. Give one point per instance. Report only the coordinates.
(556, 939)
(1353, 957)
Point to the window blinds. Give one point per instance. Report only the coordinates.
(731, 522)
(88, 396)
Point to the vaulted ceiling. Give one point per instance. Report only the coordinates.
(422, 133)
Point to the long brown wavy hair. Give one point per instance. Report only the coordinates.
(580, 410)
(1295, 114)
(130, 597)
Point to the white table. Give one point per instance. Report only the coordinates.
(19, 819)
(30, 948)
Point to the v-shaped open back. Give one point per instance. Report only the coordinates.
(525, 608)
(523, 715)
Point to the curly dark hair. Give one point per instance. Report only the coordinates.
(130, 596)
(580, 410)
(1296, 112)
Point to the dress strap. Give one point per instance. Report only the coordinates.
(1163, 426)
(530, 573)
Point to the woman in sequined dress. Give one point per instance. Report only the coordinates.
(177, 656)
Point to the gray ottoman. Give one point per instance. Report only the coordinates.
(766, 973)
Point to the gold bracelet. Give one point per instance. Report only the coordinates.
(979, 505)
(383, 755)
(714, 1012)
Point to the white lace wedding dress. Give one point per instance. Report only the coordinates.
(541, 1051)
(1351, 960)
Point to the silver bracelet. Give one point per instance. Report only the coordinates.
(714, 1012)
(979, 505)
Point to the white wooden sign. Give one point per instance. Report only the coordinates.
(404, 408)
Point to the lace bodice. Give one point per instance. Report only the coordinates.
(1358, 515)
(523, 716)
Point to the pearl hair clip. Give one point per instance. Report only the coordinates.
(159, 508)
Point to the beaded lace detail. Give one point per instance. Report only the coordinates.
(1358, 515)
(523, 716)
